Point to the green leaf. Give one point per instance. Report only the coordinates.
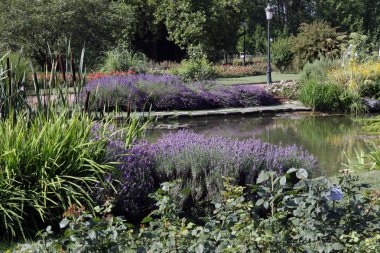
(92, 235)
(199, 249)
(337, 246)
(292, 170)
(302, 174)
(147, 220)
(283, 180)
(64, 223)
(259, 202)
(186, 191)
(263, 176)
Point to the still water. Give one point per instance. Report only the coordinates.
(331, 138)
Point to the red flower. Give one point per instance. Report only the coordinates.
(97, 75)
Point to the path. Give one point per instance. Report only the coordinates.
(288, 106)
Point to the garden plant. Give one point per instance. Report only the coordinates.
(75, 176)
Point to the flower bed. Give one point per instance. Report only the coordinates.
(201, 163)
(284, 89)
(360, 78)
(166, 92)
(230, 71)
(96, 75)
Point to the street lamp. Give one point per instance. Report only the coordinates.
(244, 24)
(269, 13)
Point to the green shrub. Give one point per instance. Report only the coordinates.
(282, 54)
(370, 89)
(120, 59)
(316, 40)
(46, 165)
(196, 69)
(317, 70)
(291, 213)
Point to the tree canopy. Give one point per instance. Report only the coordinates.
(166, 29)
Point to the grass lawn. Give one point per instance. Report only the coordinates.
(276, 77)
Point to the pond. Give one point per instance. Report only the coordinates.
(329, 137)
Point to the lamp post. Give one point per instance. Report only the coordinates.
(269, 13)
(244, 24)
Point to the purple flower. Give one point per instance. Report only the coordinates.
(166, 92)
(200, 162)
(335, 194)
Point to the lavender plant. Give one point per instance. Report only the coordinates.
(200, 163)
(166, 92)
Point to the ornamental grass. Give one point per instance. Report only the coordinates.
(46, 165)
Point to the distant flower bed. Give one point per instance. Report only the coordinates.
(97, 75)
(167, 92)
(230, 71)
(284, 89)
(201, 163)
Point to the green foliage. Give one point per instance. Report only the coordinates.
(320, 96)
(20, 65)
(317, 40)
(12, 86)
(324, 96)
(351, 15)
(370, 159)
(359, 46)
(292, 213)
(366, 161)
(317, 70)
(95, 24)
(371, 125)
(255, 39)
(370, 89)
(151, 26)
(197, 69)
(120, 59)
(282, 54)
(212, 25)
(46, 165)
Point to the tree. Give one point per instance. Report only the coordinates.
(210, 24)
(315, 40)
(36, 24)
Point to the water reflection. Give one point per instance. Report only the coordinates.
(328, 137)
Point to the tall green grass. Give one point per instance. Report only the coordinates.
(46, 165)
(50, 155)
(330, 97)
(120, 59)
(62, 84)
(52, 92)
(12, 87)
